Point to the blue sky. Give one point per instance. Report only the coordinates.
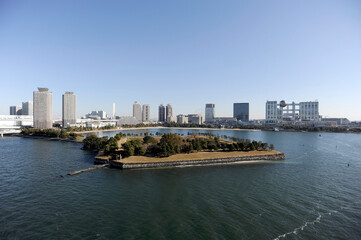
(186, 53)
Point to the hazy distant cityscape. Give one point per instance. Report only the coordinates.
(38, 114)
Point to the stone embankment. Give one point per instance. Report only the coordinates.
(201, 162)
(86, 170)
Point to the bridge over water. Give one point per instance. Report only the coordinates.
(4, 130)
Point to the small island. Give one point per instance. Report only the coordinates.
(172, 150)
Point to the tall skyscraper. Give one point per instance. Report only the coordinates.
(241, 111)
(27, 108)
(137, 111)
(43, 109)
(210, 112)
(113, 110)
(15, 110)
(168, 113)
(146, 113)
(69, 109)
(161, 113)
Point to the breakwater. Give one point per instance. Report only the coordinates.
(86, 170)
(201, 162)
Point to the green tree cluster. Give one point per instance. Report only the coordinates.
(149, 139)
(92, 142)
(133, 147)
(81, 129)
(50, 133)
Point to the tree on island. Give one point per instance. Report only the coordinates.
(170, 144)
(92, 142)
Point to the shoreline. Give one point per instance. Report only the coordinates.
(213, 129)
(222, 159)
(160, 127)
(49, 139)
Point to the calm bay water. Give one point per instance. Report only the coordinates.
(313, 194)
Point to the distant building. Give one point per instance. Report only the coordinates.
(161, 113)
(146, 113)
(69, 109)
(339, 121)
(127, 120)
(309, 111)
(12, 122)
(241, 111)
(137, 111)
(209, 113)
(272, 112)
(100, 124)
(97, 115)
(282, 111)
(168, 112)
(181, 119)
(113, 110)
(27, 108)
(225, 121)
(102, 114)
(195, 119)
(171, 119)
(15, 110)
(43, 109)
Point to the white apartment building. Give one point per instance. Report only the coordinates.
(43, 109)
(146, 113)
(137, 111)
(69, 109)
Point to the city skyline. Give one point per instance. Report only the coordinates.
(142, 112)
(224, 53)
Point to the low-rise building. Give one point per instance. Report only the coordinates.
(12, 123)
(225, 121)
(339, 121)
(126, 120)
(171, 119)
(195, 119)
(182, 119)
(96, 115)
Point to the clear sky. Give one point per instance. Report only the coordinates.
(186, 53)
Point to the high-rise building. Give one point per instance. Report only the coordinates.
(309, 111)
(43, 109)
(282, 111)
(241, 111)
(137, 111)
(161, 113)
(210, 112)
(113, 110)
(15, 110)
(69, 109)
(27, 108)
(272, 112)
(146, 113)
(168, 113)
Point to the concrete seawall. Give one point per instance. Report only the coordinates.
(202, 162)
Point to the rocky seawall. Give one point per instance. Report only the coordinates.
(202, 162)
